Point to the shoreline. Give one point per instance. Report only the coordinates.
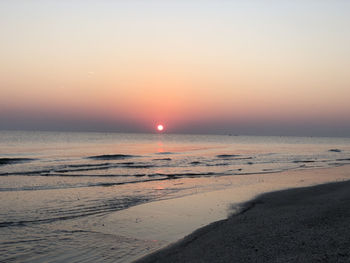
(300, 224)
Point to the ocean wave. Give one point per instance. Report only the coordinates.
(103, 184)
(145, 166)
(83, 168)
(217, 164)
(86, 165)
(182, 175)
(90, 168)
(79, 211)
(233, 157)
(111, 156)
(227, 156)
(304, 161)
(343, 159)
(335, 150)
(38, 172)
(5, 161)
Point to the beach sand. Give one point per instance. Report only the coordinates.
(309, 224)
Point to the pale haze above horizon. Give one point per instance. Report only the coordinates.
(240, 67)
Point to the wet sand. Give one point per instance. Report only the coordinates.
(309, 224)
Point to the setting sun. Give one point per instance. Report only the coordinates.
(160, 127)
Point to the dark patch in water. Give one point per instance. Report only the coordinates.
(218, 164)
(91, 168)
(162, 159)
(140, 166)
(139, 175)
(227, 155)
(334, 150)
(66, 174)
(87, 165)
(343, 159)
(181, 175)
(250, 163)
(232, 157)
(187, 175)
(164, 153)
(137, 165)
(111, 156)
(303, 161)
(4, 161)
(195, 163)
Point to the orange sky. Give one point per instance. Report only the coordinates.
(130, 64)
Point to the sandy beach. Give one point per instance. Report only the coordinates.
(309, 224)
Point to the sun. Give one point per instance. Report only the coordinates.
(160, 127)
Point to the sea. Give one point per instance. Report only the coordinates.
(58, 188)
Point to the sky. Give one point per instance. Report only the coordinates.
(240, 67)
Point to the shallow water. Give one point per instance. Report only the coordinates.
(55, 188)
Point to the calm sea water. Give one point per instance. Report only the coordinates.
(55, 187)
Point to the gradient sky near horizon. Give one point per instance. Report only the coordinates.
(241, 67)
